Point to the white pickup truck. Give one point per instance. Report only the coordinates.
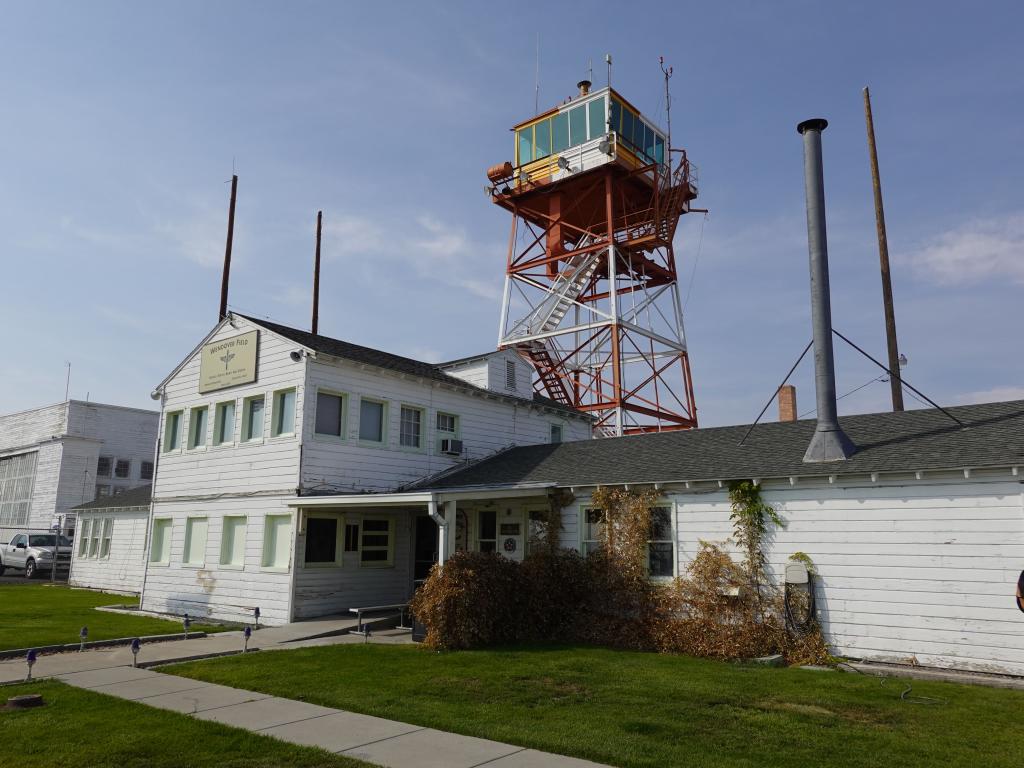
(35, 552)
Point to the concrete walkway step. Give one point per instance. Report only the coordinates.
(364, 737)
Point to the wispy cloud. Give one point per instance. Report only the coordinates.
(980, 249)
(432, 249)
(993, 395)
(198, 237)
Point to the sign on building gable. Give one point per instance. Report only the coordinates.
(228, 362)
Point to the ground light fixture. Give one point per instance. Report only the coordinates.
(83, 635)
(136, 644)
(256, 616)
(30, 660)
(246, 634)
(186, 622)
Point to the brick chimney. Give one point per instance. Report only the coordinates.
(787, 403)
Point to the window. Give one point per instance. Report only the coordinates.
(172, 431)
(252, 419)
(83, 537)
(224, 423)
(117, 490)
(371, 420)
(577, 125)
(330, 414)
(536, 529)
(102, 491)
(197, 427)
(595, 110)
(542, 139)
(525, 149)
(626, 134)
(160, 550)
(448, 424)
(232, 541)
(123, 469)
(17, 475)
(94, 538)
(376, 541)
(560, 132)
(277, 541)
(510, 375)
(660, 546)
(323, 543)
(195, 541)
(351, 537)
(556, 433)
(146, 470)
(592, 530)
(103, 466)
(410, 428)
(284, 413)
(616, 121)
(659, 150)
(108, 531)
(487, 536)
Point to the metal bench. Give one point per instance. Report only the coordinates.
(401, 608)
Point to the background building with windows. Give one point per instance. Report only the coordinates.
(110, 542)
(58, 456)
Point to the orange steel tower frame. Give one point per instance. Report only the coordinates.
(591, 296)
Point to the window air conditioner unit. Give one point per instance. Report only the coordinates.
(450, 447)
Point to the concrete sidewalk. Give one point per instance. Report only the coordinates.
(372, 739)
(297, 635)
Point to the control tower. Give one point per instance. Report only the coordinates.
(591, 296)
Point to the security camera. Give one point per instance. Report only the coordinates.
(295, 355)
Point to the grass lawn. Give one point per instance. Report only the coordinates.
(637, 709)
(38, 614)
(82, 728)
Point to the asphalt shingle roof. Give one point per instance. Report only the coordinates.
(887, 442)
(136, 497)
(379, 359)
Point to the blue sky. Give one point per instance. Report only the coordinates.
(122, 122)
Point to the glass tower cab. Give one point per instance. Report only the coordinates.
(590, 130)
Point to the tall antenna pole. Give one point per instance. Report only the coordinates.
(536, 81)
(316, 274)
(227, 250)
(608, 61)
(668, 99)
(883, 256)
(67, 382)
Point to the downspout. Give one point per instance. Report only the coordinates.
(442, 526)
(157, 394)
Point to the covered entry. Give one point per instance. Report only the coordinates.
(358, 550)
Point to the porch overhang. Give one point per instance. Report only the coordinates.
(421, 498)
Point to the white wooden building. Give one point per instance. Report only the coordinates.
(58, 456)
(110, 542)
(918, 538)
(260, 415)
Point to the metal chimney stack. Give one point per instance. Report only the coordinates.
(829, 442)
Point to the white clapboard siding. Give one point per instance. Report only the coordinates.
(921, 572)
(325, 590)
(124, 569)
(270, 464)
(211, 589)
(487, 424)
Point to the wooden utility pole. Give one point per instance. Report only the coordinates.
(883, 256)
(316, 274)
(227, 251)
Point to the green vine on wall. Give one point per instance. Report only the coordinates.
(750, 519)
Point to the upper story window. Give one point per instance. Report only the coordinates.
(102, 490)
(224, 423)
(636, 134)
(146, 470)
(197, 427)
(563, 130)
(447, 424)
(330, 414)
(284, 413)
(123, 468)
(252, 419)
(410, 430)
(103, 466)
(371, 420)
(172, 431)
(18, 474)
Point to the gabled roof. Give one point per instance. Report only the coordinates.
(378, 359)
(908, 441)
(136, 497)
